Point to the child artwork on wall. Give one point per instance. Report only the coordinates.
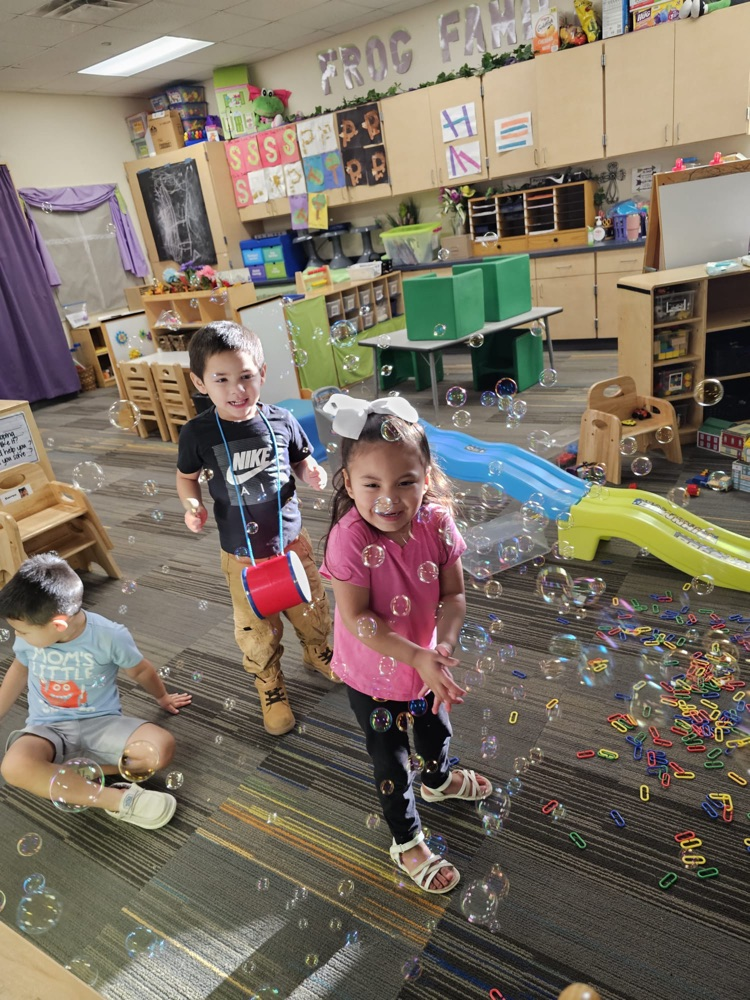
(360, 133)
(298, 206)
(275, 182)
(463, 160)
(317, 209)
(376, 165)
(314, 173)
(355, 168)
(459, 122)
(294, 177)
(333, 170)
(258, 189)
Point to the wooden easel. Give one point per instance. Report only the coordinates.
(653, 257)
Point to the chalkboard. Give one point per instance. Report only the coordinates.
(705, 221)
(177, 213)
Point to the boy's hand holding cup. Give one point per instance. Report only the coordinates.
(195, 515)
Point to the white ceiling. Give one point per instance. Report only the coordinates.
(43, 54)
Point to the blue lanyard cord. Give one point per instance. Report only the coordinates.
(237, 489)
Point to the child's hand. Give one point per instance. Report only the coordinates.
(196, 518)
(172, 703)
(315, 475)
(433, 666)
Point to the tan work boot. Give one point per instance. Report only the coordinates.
(278, 717)
(319, 658)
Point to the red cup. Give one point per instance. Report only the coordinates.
(276, 584)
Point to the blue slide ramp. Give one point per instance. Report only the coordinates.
(523, 473)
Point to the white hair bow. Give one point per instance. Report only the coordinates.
(349, 415)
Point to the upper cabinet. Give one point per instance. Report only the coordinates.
(457, 122)
(633, 125)
(570, 98)
(408, 142)
(712, 76)
(511, 92)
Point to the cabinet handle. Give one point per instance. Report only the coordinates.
(432, 177)
(544, 154)
(541, 291)
(562, 267)
(536, 156)
(666, 133)
(678, 131)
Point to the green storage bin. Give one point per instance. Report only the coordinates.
(507, 285)
(454, 306)
(514, 353)
(275, 270)
(273, 254)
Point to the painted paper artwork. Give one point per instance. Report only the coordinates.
(333, 170)
(317, 209)
(464, 160)
(258, 189)
(459, 122)
(299, 209)
(294, 177)
(314, 173)
(513, 132)
(275, 182)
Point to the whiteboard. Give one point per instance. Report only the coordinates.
(705, 220)
(267, 320)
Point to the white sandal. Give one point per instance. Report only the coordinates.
(470, 789)
(425, 873)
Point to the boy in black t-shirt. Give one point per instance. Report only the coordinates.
(226, 362)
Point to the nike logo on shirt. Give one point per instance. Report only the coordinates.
(247, 464)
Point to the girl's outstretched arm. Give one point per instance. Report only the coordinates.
(452, 610)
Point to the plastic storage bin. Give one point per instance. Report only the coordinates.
(674, 305)
(185, 93)
(411, 244)
(278, 255)
(191, 111)
(159, 102)
(673, 381)
(444, 308)
(507, 285)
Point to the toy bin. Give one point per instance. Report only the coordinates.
(507, 285)
(514, 353)
(673, 305)
(444, 308)
(191, 111)
(185, 93)
(274, 255)
(673, 381)
(159, 102)
(411, 244)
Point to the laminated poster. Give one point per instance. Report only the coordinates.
(513, 132)
(299, 209)
(317, 210)
(459, 122)
(463, 160)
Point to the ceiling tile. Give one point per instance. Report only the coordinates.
(41, 30)
(161, 17)
(226, 54)
(328, 15)
(403, 5)
(219, 28)
(274, 10)
(279, 35)
(20, 6)
(12, 53)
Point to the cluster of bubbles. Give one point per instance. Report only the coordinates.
(480, 900)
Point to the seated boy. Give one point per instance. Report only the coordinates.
(69, 659)
(232, 442)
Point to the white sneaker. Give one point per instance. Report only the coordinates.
(144, 807)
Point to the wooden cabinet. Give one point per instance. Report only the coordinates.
(632, 124)
(611, 267)
(192, 310)
(568, 281)
(711, 76)
(570, 99)
(455, 95)
(408, 141)
(510, 91)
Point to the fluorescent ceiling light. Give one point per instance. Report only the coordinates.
(161, 50)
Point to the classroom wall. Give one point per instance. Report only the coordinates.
(66, 140)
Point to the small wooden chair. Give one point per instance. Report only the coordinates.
(140, 388)
(173, 387)
(42, 515)
(608, 404)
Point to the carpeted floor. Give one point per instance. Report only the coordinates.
(273, 880)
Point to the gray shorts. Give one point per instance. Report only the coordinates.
(102, 738)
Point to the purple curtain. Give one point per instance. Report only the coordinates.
(83, 199)
(35, 362)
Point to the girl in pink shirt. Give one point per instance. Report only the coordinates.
(393, 555)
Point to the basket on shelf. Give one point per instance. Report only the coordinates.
(86, 377)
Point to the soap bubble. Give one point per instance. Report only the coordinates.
(479, 902)
(495, 469)
(443, 253)
(548, 377)
(411, 970)
(559, 812)
(263, 885)
(174, 780)
(679, 496)
(401, 606)
(39, 913)
(488, 747)
(506, 387)
(150, 488)
(553, 712)
(664, 435)
(514, 786)
(138, 761)
(389, 431)
(345, 888)
(203, 605)
(476, 340)
(533, 513)
(4, 634)
(520, 406)
(520, 765)
(124, 415)
(205, 475)
(716, 480)
(220, 297)
(537, 330)
(88, 476)
(381, 720)
(366, 627)
(536, 755)
(373, 556)
(641, 465)
(386, 370)
(344, 334)
(83, 969)
(34, 883)
(382, 505)
(299, 357)
(350, 362)
(555, 586)
(387, 787)
(461, 419)
(440, 330)
(628, 446)
(49, 443)
(144, 943)
(157, 515)
(428, 572)
(456, 396)
(386, 666)
(708, 392)
(473, 637)
(595, 473)
(372, 821)
(404, 722)
(230, 704)
(492, 495)
(418, 707)
(488, 398)
(540, 441)
(69, 774)
(702, 585)
(128, 586)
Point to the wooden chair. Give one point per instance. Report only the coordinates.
(42, 515)
(608, 404)
(138, 383)
(173, 387)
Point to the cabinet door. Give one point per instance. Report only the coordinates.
(408, 141)
(507, 92)
(634, 125)
(575, 294)
(452, 98)
(570, 99)
(711, 73)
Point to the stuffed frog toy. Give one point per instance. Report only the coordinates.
(268, 107)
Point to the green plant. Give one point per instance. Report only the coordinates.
(408, 215)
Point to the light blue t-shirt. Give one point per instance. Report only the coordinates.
(77, 679)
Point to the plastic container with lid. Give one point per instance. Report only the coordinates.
(411, 244)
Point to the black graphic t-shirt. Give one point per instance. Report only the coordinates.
(252, 472)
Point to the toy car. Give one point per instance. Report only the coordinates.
(693, 490)
(628, 423)
(641, 414)
(700, 480)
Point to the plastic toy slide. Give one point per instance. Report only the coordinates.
(681, 539)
